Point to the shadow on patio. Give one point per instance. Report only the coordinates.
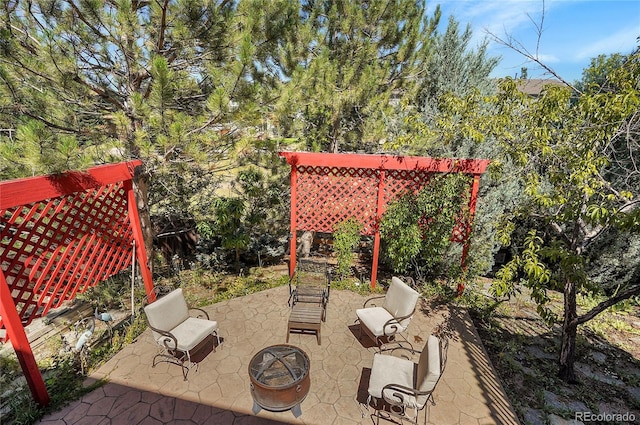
(218, 391)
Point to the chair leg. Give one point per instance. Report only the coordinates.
(215, 346)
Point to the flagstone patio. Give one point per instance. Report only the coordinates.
(218, 392)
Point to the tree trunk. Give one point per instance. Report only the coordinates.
(237, 260)
(569, 333)
(141, 190)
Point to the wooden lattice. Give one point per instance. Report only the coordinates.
(327, 195)
(55, 248)
(327, 189)
(60, 235)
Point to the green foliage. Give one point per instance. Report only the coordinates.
(416, 229)
(346, 237)
(255, 210)
(455, 68)
(576, 186)
(64, 383)
(169, 83)
(346, 62)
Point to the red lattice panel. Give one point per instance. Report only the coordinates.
(53, 249)
(328, 195)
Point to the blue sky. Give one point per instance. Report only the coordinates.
(574, 31)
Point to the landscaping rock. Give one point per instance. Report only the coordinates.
(539, 353)
(555, 401)
(599, 357)
(557, 420)
(552, 400)
(634, 392)
(534, 417)
(606, 378)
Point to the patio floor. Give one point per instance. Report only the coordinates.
(469, 391)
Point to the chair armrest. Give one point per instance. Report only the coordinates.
(201, 312)
(397, 320)
(394, 324)
(167, 337)
(399, 392)
(411, 351)
(372, 299)
(396, 393)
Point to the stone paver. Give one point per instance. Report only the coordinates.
(218, 392)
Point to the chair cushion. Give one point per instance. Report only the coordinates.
(429, 366)
(167, 312)
(374, 318)
(190, 332)
(400, 300)
(391, 370)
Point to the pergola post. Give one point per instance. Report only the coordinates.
(138, 237)
(473, 200)
(20, 344)
(376, 236)
(293, 227)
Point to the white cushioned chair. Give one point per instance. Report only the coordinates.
(393, 316)
(403, 387)
(177, 333)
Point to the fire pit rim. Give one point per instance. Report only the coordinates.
(293, 382)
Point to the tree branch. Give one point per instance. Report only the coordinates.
(628, 293)
(534, 57)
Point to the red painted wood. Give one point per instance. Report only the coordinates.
(473, 200)
(387, 162)
(328, 188)
(141, 251)
(376, 238)
(20, 344)
(34, 189)
(61, 235)
(293, 227)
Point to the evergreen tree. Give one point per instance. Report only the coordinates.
(170, 82)
(454, 68)
(349, 61)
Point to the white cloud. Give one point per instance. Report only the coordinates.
(574, 31)
(547, 58)
(623, 41)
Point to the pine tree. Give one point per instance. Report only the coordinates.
(348, 62)
(170, 82)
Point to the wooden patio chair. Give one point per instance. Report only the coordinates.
(392, 317)
(311, 283)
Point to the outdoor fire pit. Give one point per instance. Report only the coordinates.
(279, 379)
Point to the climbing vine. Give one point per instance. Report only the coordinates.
(416, 228)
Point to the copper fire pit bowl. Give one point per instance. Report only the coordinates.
(279, 379)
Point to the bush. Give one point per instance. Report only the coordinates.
(345, 239)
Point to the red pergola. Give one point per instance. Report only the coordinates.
(328, 188)
(59, 236)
